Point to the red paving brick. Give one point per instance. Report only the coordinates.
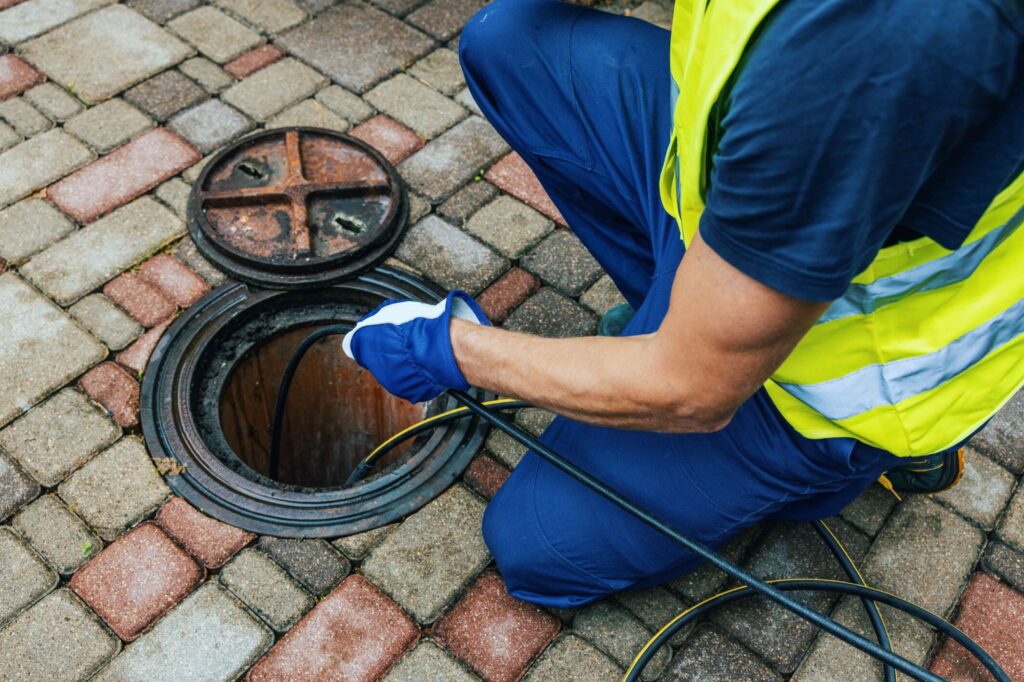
(513, 176)
(253, 60)
(485, 475)
(354, 635)
(495, 633)
(175, 279)
(123, 175)
(137, 579)
(209, 540)
(391, 138)
(142, 300)
(16, 76)
(113, 388)
(991, 614)
(136, 356)
(505, 295)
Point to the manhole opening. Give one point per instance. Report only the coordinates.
(336, 412)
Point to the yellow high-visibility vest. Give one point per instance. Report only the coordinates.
(926, 344)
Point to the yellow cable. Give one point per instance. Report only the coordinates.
(428, 420)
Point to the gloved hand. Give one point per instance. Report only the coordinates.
(408, 346)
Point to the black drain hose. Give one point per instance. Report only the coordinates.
(774, 590)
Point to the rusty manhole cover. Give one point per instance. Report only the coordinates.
(297, 207)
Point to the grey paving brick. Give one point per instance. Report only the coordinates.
(274, 88)
(273, 16)
(982, 492)
(1011, 528)
(602, 296)
(432, 555)
(788, 549)
(418, 106)
(440, 70)
(54, 101)
(24, 576)
(188, 254)
(356, 45)
(562, 261)
(465, 98)
(41, 347)
(55, 438)
(24, 117)
(342, 102)
(259, 582)
(398, 7)
(190, 175)
(208, 636)
(175, 193)
(314, 563)
(16, 488)
(654, 607)
(445, 18)
(418, 207)
(701, 583)
(656, 12)
(100, 54)
(509, 226)
(211, 125)
(59, 638)
(35, 163)
(507, 450)
(116, 489)
(108, 323)
(165, 94)
(449, 256)
(711, 656)
(1003, 438)
(924, 553)
(309, 112)
(28, 227)
(208, 74)
(620, 635)
(8, 137)
(162, 10)
(573, 659)
(214, 33)
(549, 313)
(428, 661)
(29, 19)
(357, 546)
(94, 254)
(534, 420)
(1005, 562)
(454, 158)
(108, 125)
(467, 201)
(870, 509)
(60, 537)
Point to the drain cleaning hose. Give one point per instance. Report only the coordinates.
(775, 590)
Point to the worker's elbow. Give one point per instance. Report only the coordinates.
(693, 415)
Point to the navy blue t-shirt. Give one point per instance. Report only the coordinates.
(852, 124)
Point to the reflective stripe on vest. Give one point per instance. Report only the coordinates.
(926, 344)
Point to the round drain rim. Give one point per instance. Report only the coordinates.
(215, 488)
(307, 271)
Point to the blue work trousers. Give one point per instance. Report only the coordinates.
(584, 97)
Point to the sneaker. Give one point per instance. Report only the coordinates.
(931, 474)
(614, 322)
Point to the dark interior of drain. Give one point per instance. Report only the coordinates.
(336, 412)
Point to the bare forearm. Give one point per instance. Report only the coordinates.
(616, 382)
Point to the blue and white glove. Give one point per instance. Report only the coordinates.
(407, 346)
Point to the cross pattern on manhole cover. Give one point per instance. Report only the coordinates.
(297, 197)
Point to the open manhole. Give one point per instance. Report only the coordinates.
(301, 216)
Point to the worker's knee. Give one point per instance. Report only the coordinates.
(532, 570)
(487, 36)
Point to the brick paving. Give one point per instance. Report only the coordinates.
(108, 110)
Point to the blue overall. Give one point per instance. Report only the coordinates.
(584, 97)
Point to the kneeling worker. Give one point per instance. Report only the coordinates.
(814, 209)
